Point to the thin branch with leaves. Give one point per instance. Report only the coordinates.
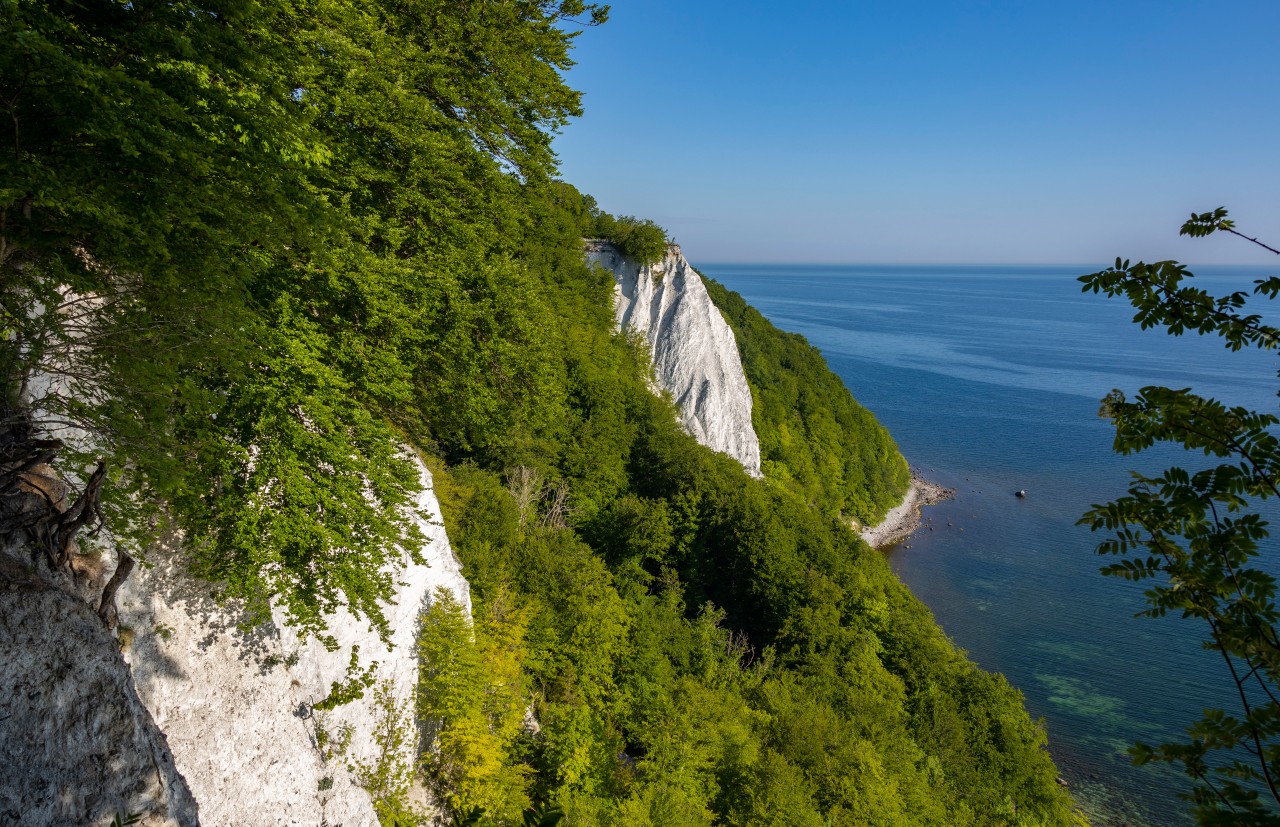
(1197, 536)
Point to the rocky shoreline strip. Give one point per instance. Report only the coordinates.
(904, 518)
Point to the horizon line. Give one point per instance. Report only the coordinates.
(786, 263)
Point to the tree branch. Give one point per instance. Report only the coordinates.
(107, 605)
(1254, 240)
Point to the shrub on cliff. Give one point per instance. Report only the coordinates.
(638, 239)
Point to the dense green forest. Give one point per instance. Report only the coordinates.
(265, 248)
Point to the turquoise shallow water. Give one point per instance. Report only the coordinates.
(989, 379)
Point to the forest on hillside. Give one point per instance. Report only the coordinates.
(256, 251)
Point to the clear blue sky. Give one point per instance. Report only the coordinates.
(895, 131)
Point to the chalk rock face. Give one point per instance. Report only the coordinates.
(237, 708)
(77, 746)
(695, 355)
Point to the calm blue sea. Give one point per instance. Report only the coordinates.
(989, 379)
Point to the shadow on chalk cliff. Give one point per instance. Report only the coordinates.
(164, 576)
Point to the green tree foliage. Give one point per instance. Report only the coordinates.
(807, 686)
(470, 702)
(389, 777)
(1195, 535)
(253, 240)
(815, 440)
(258, 251)
(639, 240)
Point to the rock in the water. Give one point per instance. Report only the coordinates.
(695, 354)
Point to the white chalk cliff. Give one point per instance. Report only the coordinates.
(695, 354)
(237, 707)
(233, 706)
(201, 721)
(77, 746)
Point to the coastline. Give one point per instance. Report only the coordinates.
(904, 518)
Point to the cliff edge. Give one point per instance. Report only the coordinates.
(695, 356)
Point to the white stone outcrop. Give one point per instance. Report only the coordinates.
(695, 355)
(237, 707)
(77, 746)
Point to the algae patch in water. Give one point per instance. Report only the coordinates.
(1078, 698)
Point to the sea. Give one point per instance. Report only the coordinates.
(989, 379)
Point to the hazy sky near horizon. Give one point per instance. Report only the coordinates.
(977, 131)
